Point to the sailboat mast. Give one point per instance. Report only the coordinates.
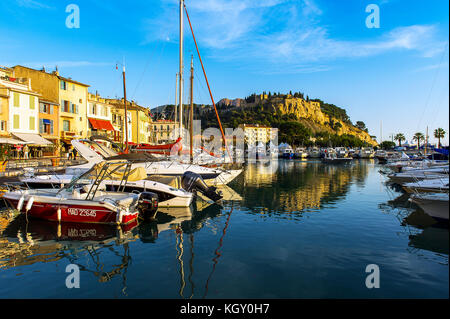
(176, 99)
(180, 98)
(125, 109)
(191, 115)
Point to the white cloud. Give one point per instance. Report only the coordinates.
(33, 4)
(282, 29)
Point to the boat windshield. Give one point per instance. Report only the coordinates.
(114, 170)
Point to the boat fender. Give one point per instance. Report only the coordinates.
(20, 203)
(58, 212)
(30, 203)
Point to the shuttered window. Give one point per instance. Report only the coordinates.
(16, 121)
(66, 125)
(32, 123)
(32, 99)
(41, 126)
(16, 99)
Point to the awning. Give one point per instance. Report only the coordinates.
(101, 124)
(8, 140)
(32, 139)
(45, 121)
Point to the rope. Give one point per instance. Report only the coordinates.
(207, 83)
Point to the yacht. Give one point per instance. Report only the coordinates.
(95, 152)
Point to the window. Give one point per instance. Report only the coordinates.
(32, 123)
(73, 87)
(45, 126)
(65, 106)
(16, 121)
(32, 99)
(66, 126)
(63, 85)
(104, 111)
(2, 125)
(94, 109)
(16, 99)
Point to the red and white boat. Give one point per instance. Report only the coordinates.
(84, 202)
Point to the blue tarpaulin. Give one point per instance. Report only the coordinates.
(442, 151)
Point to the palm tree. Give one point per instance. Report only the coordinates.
(418, 137)
(439, 133)
(399, 137)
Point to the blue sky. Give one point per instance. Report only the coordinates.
(397, 74)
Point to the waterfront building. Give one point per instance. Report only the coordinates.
(138, 120)
(70, 95)
(160, 131)
(255, 133)
(100, 118)
(19, 112)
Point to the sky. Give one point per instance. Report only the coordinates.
(394, 78)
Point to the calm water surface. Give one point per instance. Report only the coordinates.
(294, 229)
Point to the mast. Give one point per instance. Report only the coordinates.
(176, 99)
(426, 142)
(191, 114)
(125, 108)
(180, 98)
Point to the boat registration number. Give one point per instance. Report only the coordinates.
(81, 212)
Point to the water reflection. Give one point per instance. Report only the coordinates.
(313, 185)
(422, 231)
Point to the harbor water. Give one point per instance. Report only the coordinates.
(288, 229)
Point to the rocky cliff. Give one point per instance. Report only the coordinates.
(311, 115)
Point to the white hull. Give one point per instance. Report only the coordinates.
(179, 197)
(434, 205)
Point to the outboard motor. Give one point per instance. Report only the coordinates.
(148, 203)
(194, 182)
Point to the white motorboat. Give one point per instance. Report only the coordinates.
(334, 159)
(172, 191)
(85, 199)
(300, 152)
(96, 152)
(418, 174)
(433, 204)
(341, 152)
(436, 185)
(314, 153)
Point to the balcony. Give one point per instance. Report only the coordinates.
(15, 80)
(69, 134)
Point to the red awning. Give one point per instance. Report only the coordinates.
(101, 124)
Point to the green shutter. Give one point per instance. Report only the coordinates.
(32, 123)
(16, 99)
(31, 102)
(16, 121)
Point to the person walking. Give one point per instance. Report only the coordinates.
(25, 152)
(75, 153)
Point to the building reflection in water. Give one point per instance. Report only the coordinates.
(287, 187)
